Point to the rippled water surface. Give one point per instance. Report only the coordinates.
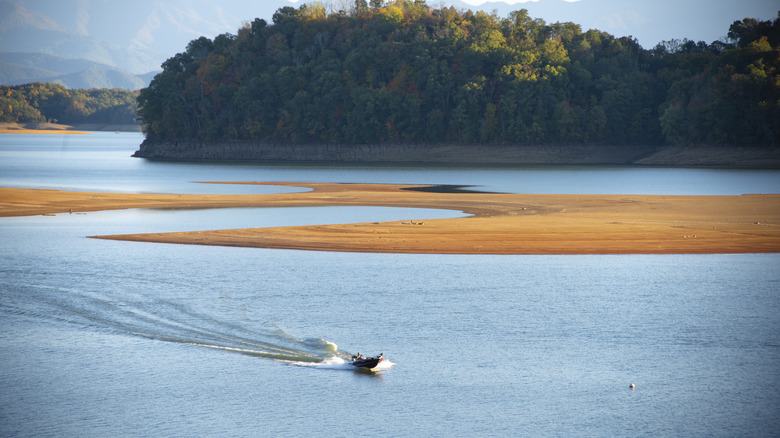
(107, 338)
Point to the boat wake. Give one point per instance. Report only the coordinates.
(171, 322)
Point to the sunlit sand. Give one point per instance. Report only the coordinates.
(492, 223)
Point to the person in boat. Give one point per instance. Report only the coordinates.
(357, 356)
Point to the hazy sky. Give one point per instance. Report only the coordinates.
(650, 21)
(511, 2)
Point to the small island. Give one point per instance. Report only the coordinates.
(408, 83)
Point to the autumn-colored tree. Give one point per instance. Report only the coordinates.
(401, 71)
(38, 102)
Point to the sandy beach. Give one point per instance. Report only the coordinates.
(37, 128)
(492, 223)
(56, 128)
(15, 130)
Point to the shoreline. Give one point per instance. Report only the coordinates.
(55, 128)
(496, 223)
(462, 154)
(727, 157)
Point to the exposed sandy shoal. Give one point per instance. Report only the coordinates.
(38, 131)
(37, 128)
(55, 128)
(499, 223)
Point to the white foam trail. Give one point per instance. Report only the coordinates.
(332, 346)
(334, 363)
(337, 363)
(384, 365)
(237, 350)
(253, 352)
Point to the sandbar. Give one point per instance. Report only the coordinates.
(493, 223)
(39, 131)
(38, 128)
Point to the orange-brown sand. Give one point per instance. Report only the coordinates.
(39, 131)
(497, 223)
(37, 128)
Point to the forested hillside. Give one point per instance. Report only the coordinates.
(39, 102)
(404, 72)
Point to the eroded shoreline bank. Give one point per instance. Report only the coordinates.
(463, 154)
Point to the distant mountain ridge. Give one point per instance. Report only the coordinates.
(24, 68)
(146, 33)
(36, 48)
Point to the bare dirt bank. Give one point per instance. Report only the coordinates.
(499, 223)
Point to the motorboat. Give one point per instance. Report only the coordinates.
(360, 361)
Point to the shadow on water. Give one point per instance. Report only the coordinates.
(447, 188)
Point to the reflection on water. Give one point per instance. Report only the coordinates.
(102, 162)
(152, 220)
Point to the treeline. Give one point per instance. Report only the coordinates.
(45, 102)
(401, 71)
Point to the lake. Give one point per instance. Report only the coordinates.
(107, 338)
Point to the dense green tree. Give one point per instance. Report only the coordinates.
(400, 71)
(732, 97)
(38, 102)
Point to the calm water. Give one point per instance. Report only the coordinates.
(102, 338)
(101, 162)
